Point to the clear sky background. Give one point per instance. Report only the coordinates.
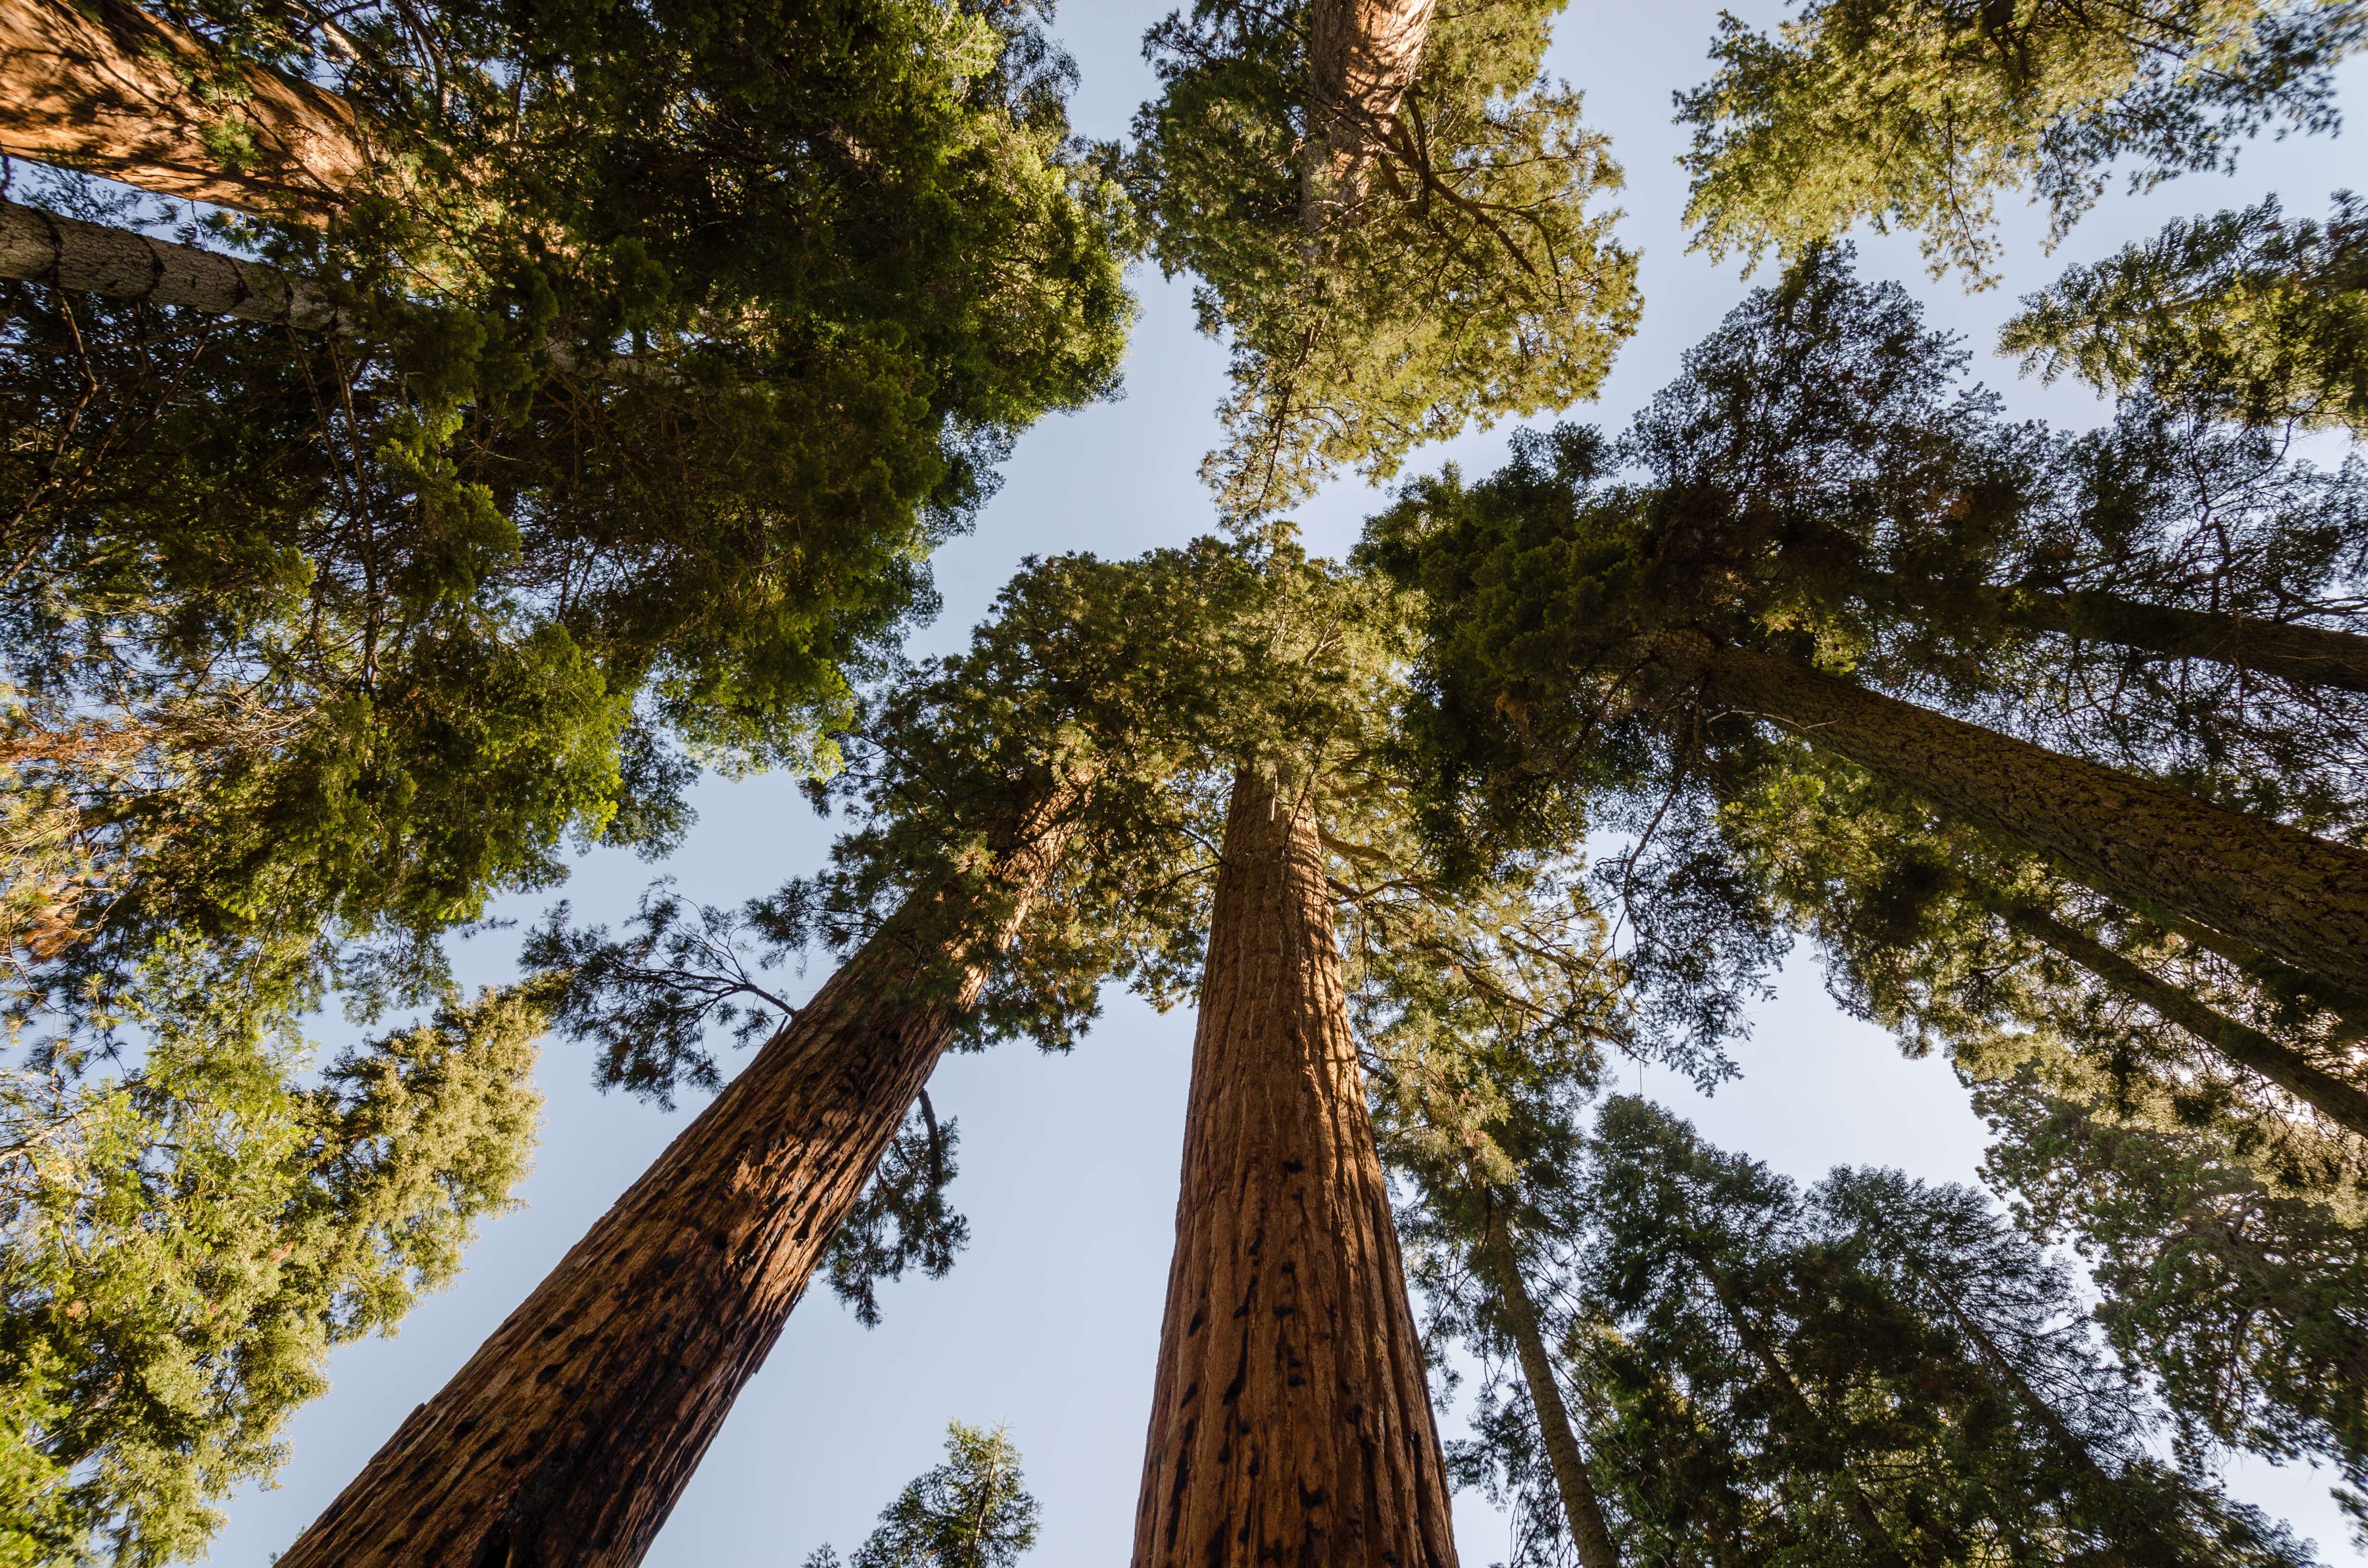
(1069, 1165)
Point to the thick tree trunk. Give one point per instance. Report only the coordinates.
(565, 1440)
(2301, 899)
(1563, 1453)
(2306, 655)
(2344, 1104)
(1363, 56)
(107, 93)
(1291, 1421)
(67, 253)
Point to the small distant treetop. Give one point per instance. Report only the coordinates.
(1917, 113)
(973, 1511)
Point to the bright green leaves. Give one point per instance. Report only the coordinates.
(1464, 279)
(1917, 113)
(184, 1244)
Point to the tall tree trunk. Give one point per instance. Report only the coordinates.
(2344, 1104)
(106, 93)
(2301, 899)
(1563, 1453)
(1777, 1378)
(565, 1440)
(1363, 56)
(67, 253)
(1291, 1421)
(2306, 655)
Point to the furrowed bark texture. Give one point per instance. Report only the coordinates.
(1579, 1504)
(2301, 899)
(1362, 56)
(2306, 655)
(1291, 1423)
(2342, 1103)
(93, 259)
(103, 93)
(567, 1439)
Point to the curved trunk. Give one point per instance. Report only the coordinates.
(565, 1440)
(106, 93)
(1291, 1421)
(2344, 1104)
(2301, 899)
(67, 253)
(2306, 655)
(1564, 1455)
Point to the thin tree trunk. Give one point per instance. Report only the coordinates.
(106, 93)
(67, 253)
(2349, 1008)
(2344, 1104)
(2307, 656)
(1778, 1379)
(1563, 1453)
(567, 1439)
(2301, 899)
(1291, 1421)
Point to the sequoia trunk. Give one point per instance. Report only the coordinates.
(1291, 1421)
(565, 1440)
(2344, 1104)
(2307, 656)
(1363, 56)
(1563, 1453)
(2301, 899)
(108, 90)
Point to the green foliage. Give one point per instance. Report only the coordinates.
(1917, 113)
(973, 1511)
(182, 1243)
(1875, 1371)
(1459, 277)
(902, 1219)
(2239, 316)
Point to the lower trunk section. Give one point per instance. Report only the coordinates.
(567, 1439)
(1290, 1422)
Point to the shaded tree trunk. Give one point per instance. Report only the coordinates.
(67, 253)
(567, 1439)
(1563, 1453)
(2344, 1104)
(1291, 1420)
(2306, 655)
(2301, 899)
(107, 93)
(1363, 56)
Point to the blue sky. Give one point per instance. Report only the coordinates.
(1069, 1165)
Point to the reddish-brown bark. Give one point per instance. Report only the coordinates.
(565, 1440)
(2302, 900)
(122, 263)
(107, 93)
(1363, 56)
(1290, 1422)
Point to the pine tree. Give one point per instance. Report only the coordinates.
(1386, 207)
(1917, 113)
(181, 1244)
(1876, 1371)
(972, 1511)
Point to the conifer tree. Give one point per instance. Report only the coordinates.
(1386, 206)
(182, 1243)
(973, 1511)
(1917, 113)
(1875, 1371)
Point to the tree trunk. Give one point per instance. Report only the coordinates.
(2344, 1104)
(1363, 56)
(67, 253)
(2306, 655)
(1291, 1421)
(565, 1440)
(2301, 899)
(107, 93)
(1562, 1452)
(1777, 1378)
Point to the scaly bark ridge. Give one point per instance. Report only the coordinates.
(1291, 1421)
